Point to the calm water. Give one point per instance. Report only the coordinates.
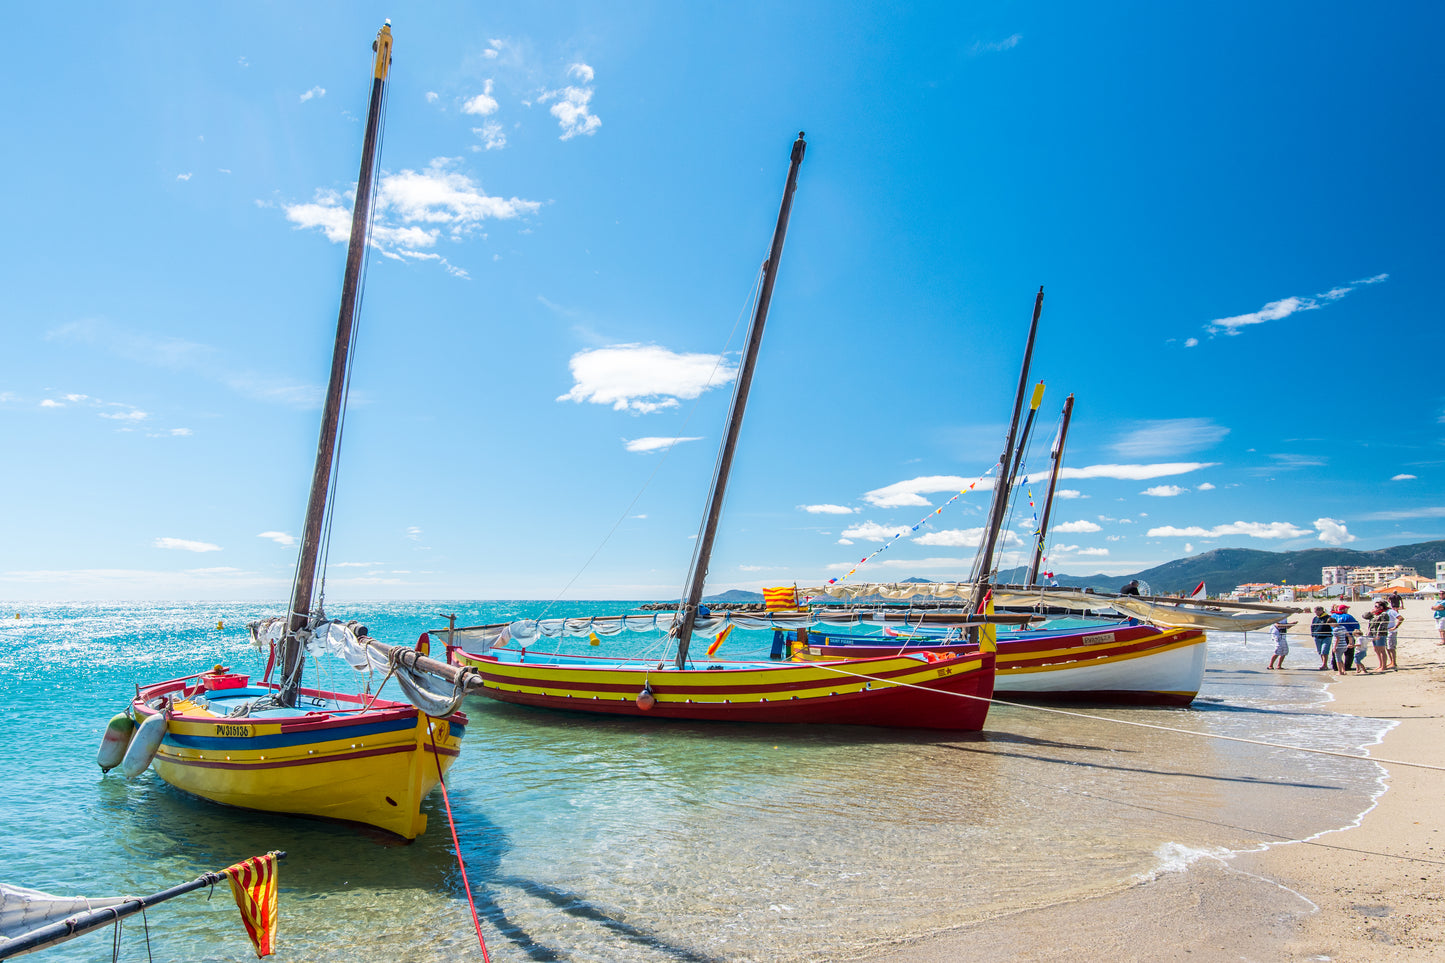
(628, 840)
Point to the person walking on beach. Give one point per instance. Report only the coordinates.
(1378, 626)
(1346, 625)
(1438, 610)
(1281, 643)
(1321, 627)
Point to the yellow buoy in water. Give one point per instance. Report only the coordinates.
(220, 626)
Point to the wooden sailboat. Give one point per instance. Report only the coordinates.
(277, 746)
(913, 689)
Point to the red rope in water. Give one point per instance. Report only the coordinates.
(436, 757)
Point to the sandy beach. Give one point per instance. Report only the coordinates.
(1372, 892)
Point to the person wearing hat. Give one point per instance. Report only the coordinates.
(1281, 643)
(1379, 630)
(1345, 630)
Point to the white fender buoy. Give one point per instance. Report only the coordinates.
(115, 741)
(143, 745)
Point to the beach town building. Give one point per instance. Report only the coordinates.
(1365, 574)
(1440, 573)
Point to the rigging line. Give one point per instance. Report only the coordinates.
(757, 283)
(451, 821)
(1126, 722)
(356, 316)
(1200, 819)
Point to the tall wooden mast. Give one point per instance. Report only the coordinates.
(291, 648)
(698, 575)
(1058, 455)
(984, 563)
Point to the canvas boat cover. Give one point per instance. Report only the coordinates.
(24, 910)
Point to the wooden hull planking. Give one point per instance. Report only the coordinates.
(371, 766)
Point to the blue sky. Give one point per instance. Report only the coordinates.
(1235, 212)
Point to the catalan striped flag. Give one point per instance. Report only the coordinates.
(253, 883)
(780, 598)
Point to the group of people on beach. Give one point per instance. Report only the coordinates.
(1341, 640)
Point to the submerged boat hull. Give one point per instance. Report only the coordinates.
(1127, 665)
(364, 765)
(914, 690)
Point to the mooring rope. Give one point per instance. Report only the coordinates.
(1127, 722)
(457, 843)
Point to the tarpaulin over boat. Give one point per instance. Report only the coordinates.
(1199, 615)
(23, 911)
(526, 631)
(431, 695)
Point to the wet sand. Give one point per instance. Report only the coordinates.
(1374, 891)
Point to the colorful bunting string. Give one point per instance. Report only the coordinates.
(908, 531)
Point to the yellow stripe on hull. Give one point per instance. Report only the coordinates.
(379, 779)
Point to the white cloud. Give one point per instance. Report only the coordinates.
(313, 92)
(1332, 531)
(432, 96)
(997, 46)
(1075, 528)
(280, 538)
(1403, 478)
(1076, 550)
(1252, 529)
(1164, 491)
(573, 108)
(1130, 472)
(1191, 342)
(135, 414)
(1396, 516)
(1069, 493)
(413, 209)
(845, 541)
(483, 103)
(185, 545)
(180, 432)
(184, 177)
(907, 494)
(873, 532)
(494, 47)
(52, 403)
(1174, 436)
(413, 533)
(492, 135)
(654, 444)
(644, 378)
(964, 538)
(1204, 487)
(1284, 307)
(1188, 548)
(829, 509)
(1113, 538)
(752, 568)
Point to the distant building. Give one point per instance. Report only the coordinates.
(1336, 574)
(1377, 574)
(1440, 573)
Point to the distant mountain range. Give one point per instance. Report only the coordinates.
(1222, 569)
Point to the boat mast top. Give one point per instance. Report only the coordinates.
(1058, 456)
(306, 565)
(698, 575)
(983, 565)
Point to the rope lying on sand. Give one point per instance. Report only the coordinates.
(1141, 725)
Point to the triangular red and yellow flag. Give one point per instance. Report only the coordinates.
(721, 638)
(253, 883)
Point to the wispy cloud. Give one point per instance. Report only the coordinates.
(1074, 528)
(185, 545)
(1130, 472)
(184, 177)
(280, 538)
(413, 210)
(492, 135)
(1268, 530)
(1164, 491)
(413, 533)
(643, 378)
(1175, 436)
(910, 493)
(873, 532)
(655, 444)
(1398, 516)
(573, 108)
(1069, 493)
(1332, 531)
(964, 538)
(432, 96)
(996, 46)
(829, 509)
(1284, 307)
(314, 92)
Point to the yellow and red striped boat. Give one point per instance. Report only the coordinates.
(332, 755)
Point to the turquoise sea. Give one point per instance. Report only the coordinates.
(637, 840)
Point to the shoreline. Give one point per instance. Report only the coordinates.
(1370, 891)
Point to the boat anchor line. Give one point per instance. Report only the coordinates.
(1140, 725)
